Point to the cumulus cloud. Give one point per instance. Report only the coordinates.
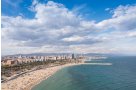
(123, 18)
(52, 23)
(61, 29)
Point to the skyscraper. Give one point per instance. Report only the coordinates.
(73, 57)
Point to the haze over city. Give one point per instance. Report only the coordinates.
(85, 26)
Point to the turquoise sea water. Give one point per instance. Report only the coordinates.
(121, 75)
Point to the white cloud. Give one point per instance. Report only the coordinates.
(131, 34)
(62, 30)
(73, 39)
(124, 11)
(107, 9)
(124, 18)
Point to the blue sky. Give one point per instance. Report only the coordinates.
(99, 26)
(93, 8)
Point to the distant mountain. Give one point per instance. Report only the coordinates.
(102, 54)
(49, 54)
(96, 54)
(40, 54)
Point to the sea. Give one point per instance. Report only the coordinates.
(120, 74)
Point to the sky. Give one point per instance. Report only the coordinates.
(70, 26)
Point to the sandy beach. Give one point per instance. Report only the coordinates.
(28, 80)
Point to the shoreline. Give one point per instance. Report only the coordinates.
(45, 78)
(31, 79)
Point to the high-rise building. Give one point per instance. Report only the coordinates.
(73, 57)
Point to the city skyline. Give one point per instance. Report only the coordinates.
(56, 26)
